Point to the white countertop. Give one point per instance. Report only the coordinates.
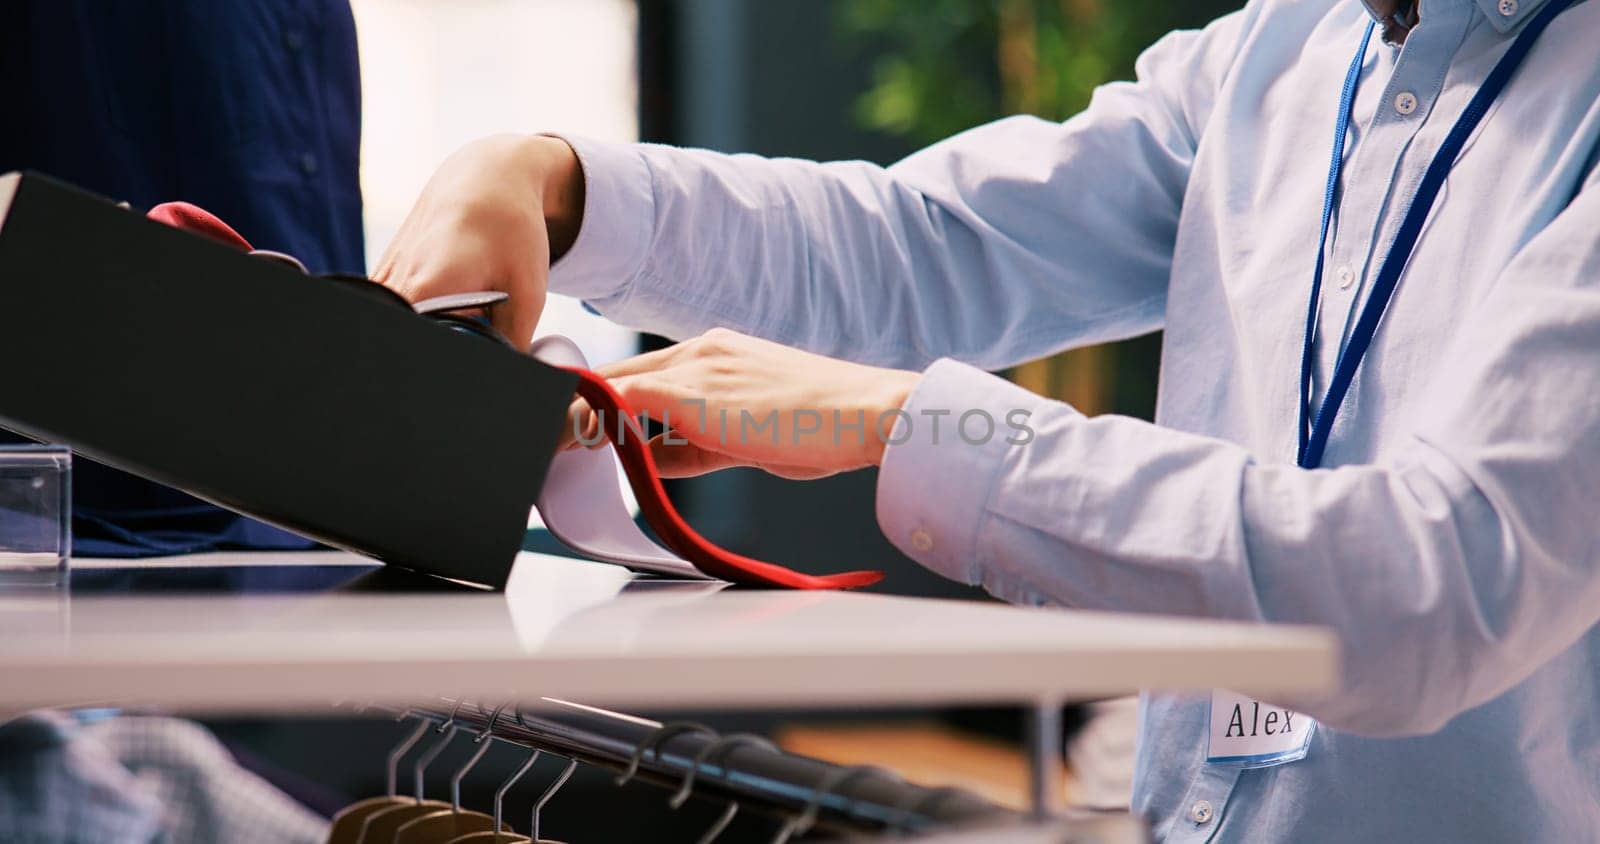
(586, 631)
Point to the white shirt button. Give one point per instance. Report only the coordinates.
(1201, 812)
(1346, 276)
(1405, 102)
(921, 540)
(1508, 7)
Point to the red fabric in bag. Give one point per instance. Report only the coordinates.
(637, 463)
(193, 218)
(663, 518)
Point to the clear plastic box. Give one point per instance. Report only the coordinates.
(35, 515)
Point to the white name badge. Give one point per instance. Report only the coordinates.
(1250, 733)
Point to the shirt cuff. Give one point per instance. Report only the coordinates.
(946, 449)
(618, 214)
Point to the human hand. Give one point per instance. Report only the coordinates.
(732, 400)
(492, 218)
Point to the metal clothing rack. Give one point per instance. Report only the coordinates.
(741, 770)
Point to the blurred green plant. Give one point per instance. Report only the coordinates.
(945, 65)
(941, 66)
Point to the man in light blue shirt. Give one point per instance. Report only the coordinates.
(1447, 533)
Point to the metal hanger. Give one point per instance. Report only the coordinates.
(538, 808)
(801, 824)
(720, 824)
(724, 745)
(652, 744)
(451, 823)
(504, 836)
(347, 825)
(380, 828)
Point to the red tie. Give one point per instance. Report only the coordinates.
(673, 530)
(637, 463)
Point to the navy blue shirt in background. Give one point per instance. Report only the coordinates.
(250, 109)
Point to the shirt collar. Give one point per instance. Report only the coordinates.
(1503, 15)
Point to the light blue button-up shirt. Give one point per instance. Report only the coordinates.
(1452, 541)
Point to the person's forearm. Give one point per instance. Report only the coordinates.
(1002, 244)
(853, 261)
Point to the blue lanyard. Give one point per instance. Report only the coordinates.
(1314, 433)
